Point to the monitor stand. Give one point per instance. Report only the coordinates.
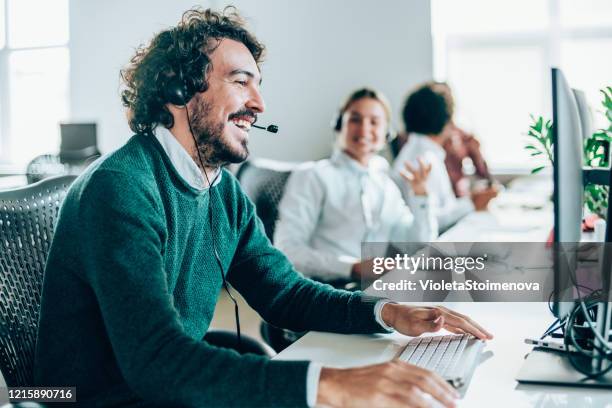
(551, 367)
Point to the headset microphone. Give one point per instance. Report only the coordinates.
(271, 128)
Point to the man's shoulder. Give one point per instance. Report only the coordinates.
(118, 172)
(135, 156)
(230, 188)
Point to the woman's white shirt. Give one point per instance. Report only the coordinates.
(331, 207)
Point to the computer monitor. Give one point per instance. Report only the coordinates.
(568, 173)
(571, 125)
(568, 187)
(586, 119)
(78, 141)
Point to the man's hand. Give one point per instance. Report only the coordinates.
(364, 270)
(417, 178)
(415, 320)
(392, 384)
(481, 198)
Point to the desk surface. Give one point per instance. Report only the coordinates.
(521, 214)
(493, 383)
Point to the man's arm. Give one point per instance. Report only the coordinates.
(283, 297)
(473, 147)
(122, 241)
(396, 383)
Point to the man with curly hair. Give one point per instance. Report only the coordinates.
(148, 235)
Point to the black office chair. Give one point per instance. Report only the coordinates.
(27, 218)
(78, 143)
(264, 182)
(45, 166)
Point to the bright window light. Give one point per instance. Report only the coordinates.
(37, 23)
(589, 69)
(39, 101)
(497, 58)
(586, 13)
(486, 16)
(2, 27)
(510, 91)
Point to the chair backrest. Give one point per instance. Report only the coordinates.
(264, 182)
(27, 218)
(44, 166)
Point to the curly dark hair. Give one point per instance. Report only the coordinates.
(428, 109)
(185, 48)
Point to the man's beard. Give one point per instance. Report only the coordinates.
(214, 148)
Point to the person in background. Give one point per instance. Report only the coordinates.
(427, 116)
(330, 208)
(459, 146)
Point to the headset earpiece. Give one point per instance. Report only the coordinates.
(337, 122)
(176, 90)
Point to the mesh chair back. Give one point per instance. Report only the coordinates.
(44, 166)
(27, 218)
(264, 182)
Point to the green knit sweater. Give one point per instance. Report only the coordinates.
(131, 284)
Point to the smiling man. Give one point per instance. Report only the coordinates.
(148, 235)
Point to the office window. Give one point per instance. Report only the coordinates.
(34, 79)
(497, 58)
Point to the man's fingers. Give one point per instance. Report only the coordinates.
(393, 391)
(465, 323)
(465, 326)
(418, 371)
(427, 313)
(430, 383)
(454, 330)
(437, 324)
(469, 319)
(416, 398)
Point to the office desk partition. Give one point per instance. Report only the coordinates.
(523, 214)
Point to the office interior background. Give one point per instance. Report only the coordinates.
(60, 62)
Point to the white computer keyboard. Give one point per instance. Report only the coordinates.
(453, 357)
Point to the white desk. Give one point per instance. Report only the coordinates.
(493, 383)
(510, 219)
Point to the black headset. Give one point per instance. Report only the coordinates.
(177, 92)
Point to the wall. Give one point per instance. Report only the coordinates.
(317, 51)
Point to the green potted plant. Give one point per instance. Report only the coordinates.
(540, 145)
